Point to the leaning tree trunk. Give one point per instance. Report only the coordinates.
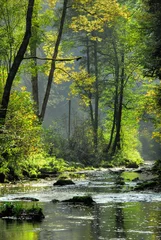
(52, 68)
(16, 63)
(34, 75)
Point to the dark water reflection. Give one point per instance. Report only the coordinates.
(135, 220)
(116, 214)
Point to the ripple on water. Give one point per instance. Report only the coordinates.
(127, 197)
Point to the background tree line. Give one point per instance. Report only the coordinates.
(108, 52)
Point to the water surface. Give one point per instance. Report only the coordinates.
(119, 213)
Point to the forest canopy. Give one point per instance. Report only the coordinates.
(101, 60)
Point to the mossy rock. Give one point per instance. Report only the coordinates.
(2, 178)
(45, 172)
(86, 200)
(30, 199)
(63, 182)
(13, 211)
(55, 201)
(33, 215)
(146, 185)
(139, 170)
(120, 181)
(131, 165)
(135, 179)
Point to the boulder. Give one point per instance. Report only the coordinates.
(27, 199)
(86, 200)
(63, 182)
(11, 211)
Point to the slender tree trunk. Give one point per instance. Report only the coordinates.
(16, 63)
(34, 77)
(112, 130)
(90, 94)
(117, 142)
(54, 56)
(116, 101)
(69, 120)
(116, 106)
(96, 96)
(33, 53)
(88, 57)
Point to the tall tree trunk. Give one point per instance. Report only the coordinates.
(54, 56)
(96, 96)
(116, 100)
(90, 94)
(117, 142)
(34, 75)
(16, 63)
(115, 118)
(112, 129)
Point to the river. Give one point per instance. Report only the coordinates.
(119, 212)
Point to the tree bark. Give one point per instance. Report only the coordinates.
(117, 141)
(90, 94)
(96, 96)
(112, 131)
(16, 63)
(34, 75)
(116, 101)
(54, 56)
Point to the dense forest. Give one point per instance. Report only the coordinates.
(103, 56)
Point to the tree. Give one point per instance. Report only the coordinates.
(150, 24)
(54, 57)
(151, 28)
(16, 63)
(112, 58)
(21, 148)
(51, 38)
(121, 53)
(107, 79)
(91, 19)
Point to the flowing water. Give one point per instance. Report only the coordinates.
(119, 212)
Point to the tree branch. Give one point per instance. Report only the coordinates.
(55, 60)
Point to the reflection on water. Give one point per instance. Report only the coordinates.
(136, 221)
(17, 230)
(116, 214)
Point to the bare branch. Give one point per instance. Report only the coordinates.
(55, 60)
